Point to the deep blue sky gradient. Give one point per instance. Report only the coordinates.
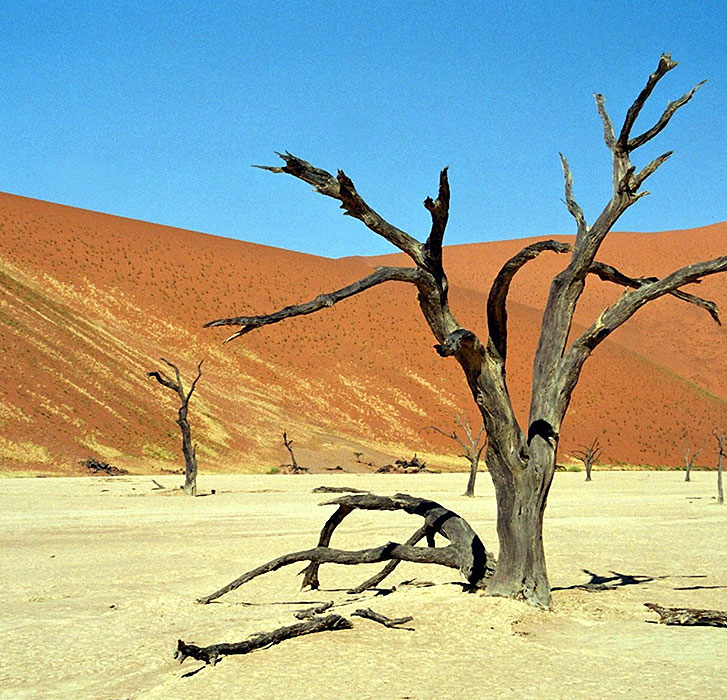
(156, 110)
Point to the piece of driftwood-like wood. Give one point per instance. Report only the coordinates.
(393, 623)
(466, 552)
(689, 616)
(211, 654)
(338, 489)
(310, 613)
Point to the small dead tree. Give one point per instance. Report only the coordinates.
(589, 455)
(189, 450)
(293, 467)
(690, 456)
(521, 459)
(721, 439)
(472, 445)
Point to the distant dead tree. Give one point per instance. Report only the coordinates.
(721, 439)
(521, 459)
(293, 467)
(589, 455)
(473, 446)
(188, 449)
(690, 456)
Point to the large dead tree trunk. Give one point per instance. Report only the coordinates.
(521, 461)
(472, 446)
(189, 450)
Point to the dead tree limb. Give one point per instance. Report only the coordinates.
(189, 450)
(338, 489)
(465, 551)
(392, 623)
(689, 616)
(213, 653)
(310, 613)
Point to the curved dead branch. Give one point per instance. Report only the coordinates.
(465, 551)
(322, 301)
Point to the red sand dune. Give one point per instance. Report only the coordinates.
(90, 301)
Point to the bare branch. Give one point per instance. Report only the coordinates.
(573, 206)
(439, 209)
(194, 383)
(665, 65)
(650, 169)
(664, 119)
(608, 273)
(630, 303)
(323, 301)
(608, 135)
(496, 301)
(342, 189)
(163, 379)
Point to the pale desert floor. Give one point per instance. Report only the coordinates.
(100, 576)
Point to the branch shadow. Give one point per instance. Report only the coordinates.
(618, 580)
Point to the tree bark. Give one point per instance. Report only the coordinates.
(470, 490)
(521, 571)
(689, 616)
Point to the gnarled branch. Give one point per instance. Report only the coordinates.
(322, 301)
(439, 210)
(465, 551)
(343, 189)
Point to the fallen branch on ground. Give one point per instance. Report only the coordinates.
(337, 489)
(393, 623)
(310, 613)
(689, 616)
(465, 551)
(211, 654)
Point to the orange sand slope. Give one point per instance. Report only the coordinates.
(90, 301)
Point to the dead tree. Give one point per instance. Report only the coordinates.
(293, 467)
(589, 455)
(521, 460)
(721, 439)
(473, 447)
(690, 456)
(189, 450)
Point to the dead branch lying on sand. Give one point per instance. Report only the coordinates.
(465, 551)
(310, 613)
(392, 623)
(211, 654)
(337, 489)
(689, 616)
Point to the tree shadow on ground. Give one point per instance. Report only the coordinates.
(618, 580)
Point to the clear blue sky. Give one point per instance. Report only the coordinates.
(155, 110)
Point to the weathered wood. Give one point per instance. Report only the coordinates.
(212, 654)
(721, 452)
(689, 616)
(392, 623)
(465, 551)
(589, 455)
(310, 613)
(337, 489)
(390, 566)
(189, 450)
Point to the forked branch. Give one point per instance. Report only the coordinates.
(343, 189)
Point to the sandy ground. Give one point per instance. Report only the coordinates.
(100, 577)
